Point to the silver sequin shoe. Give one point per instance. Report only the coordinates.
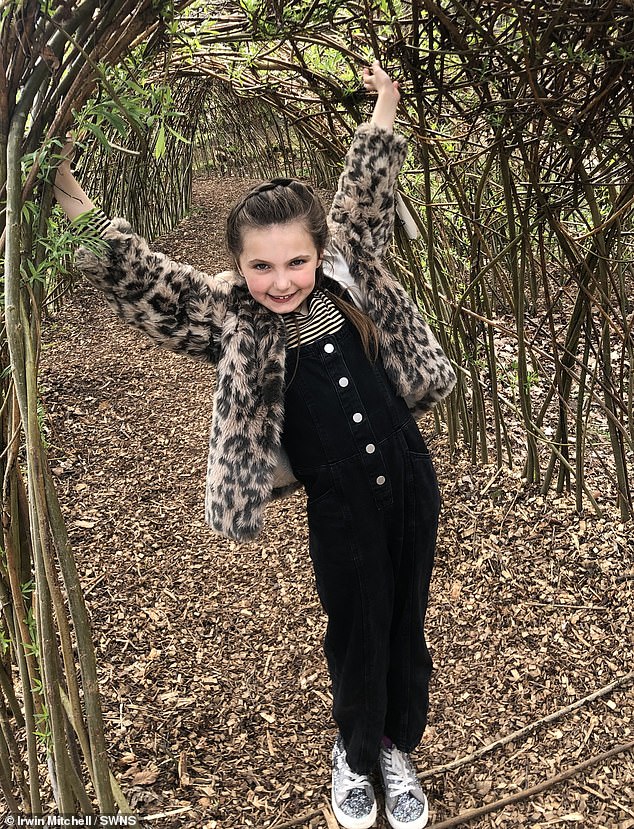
(353, 800)
(405, 802)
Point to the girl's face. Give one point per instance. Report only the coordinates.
(279, 263)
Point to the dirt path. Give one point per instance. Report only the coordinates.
(213, 680)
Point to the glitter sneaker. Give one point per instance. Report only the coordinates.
(353, 800)
(405, 802)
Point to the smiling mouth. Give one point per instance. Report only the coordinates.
(282, 298)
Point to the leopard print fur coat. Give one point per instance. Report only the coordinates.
(216, 319)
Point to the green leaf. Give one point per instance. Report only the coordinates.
(98, 133)
(178, 135)
(159, 147)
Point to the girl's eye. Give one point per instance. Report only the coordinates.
(298, 262)
(261, 266)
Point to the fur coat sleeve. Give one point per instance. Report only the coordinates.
(361, 222)
(363, 208)
(180, 308)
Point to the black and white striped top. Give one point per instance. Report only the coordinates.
(97, 220)
(323, 318)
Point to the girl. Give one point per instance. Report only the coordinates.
(322, 358)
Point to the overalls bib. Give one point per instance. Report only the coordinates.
(373, 505)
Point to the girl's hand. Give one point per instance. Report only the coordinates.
(67, 153)
(376, 79)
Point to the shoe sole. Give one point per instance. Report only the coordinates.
(348, 822)
(419, 823)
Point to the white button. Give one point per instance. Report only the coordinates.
(370, 448)
(329, 348)
(343, 382)
(380, 480)
(357, 417)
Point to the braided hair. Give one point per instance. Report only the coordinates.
(277, 202)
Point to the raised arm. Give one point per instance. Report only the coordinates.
(377, 80)
(68, 191)
(361, 218)
(179, 307)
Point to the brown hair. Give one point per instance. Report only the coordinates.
(281, 201)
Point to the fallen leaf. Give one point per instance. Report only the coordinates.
(145, 777)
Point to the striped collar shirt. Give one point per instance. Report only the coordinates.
(323, 318)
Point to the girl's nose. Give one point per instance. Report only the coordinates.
(282, 281)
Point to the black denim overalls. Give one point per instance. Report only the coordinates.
(373, 507)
